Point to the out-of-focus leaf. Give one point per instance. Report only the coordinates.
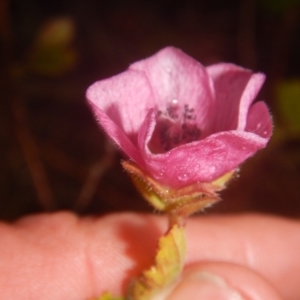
(52, 52)
(57, 32)
(288, 103)
(168, 265)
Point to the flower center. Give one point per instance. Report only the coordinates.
(175, 126)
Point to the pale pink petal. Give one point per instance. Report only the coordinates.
(254, 85)
(118, 135)
(259, 120)
(235, 89)
(204, 161)
(125, 98)
(176, 77)
(146, 131)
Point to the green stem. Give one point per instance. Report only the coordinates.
(175, 219)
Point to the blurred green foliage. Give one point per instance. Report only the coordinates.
(52, 52)
(288, 105)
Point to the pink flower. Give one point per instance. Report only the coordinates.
(180, 122)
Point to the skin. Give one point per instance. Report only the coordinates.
(61, 256)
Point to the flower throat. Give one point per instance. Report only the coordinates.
(175, 126)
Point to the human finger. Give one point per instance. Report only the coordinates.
(222, 281)
(60, 256)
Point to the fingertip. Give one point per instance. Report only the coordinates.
(226, 281)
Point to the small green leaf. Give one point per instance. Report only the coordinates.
(168, 265)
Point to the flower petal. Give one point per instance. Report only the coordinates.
(125, 99)
(235, 88)
(159, 109)
(259, 120)
(146, 131)
(118, 135)
(175, 76)
(204, 161)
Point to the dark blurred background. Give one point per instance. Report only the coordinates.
(53, 156)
